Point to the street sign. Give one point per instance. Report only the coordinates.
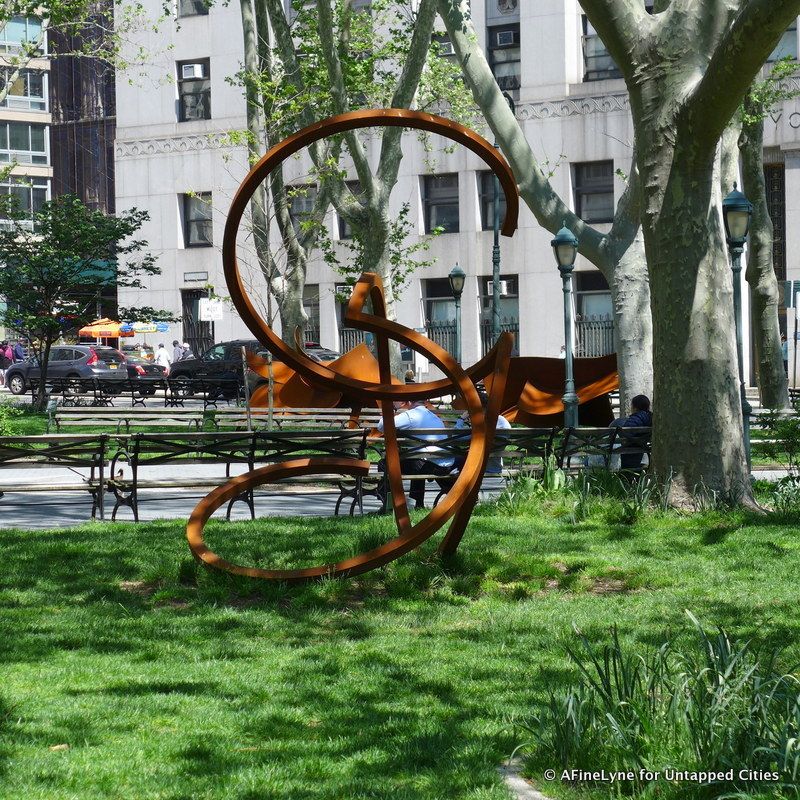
(210, 309)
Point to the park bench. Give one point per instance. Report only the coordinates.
(579, 448)
(122, 420)
(515, 451)
(211, 391)
(83, 456)
(302, 418)
(299, 418)
(81, 391)
(140, 451)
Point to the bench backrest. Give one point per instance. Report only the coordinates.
(58, 450)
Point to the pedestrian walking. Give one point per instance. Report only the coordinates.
(5, 361)
(186, 352)
(18, 353)
(177, 351)
(162, 358)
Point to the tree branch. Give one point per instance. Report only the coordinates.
(333, 65)
(735, 62)
(548, 208)
(407, 83)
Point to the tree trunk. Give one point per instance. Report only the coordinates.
(697, 436)
(633, 323)
(375, 257)
(40, 400)
(760, 274)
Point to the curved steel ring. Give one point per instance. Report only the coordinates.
(458, 503)
(298, 361)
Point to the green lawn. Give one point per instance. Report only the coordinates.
(166, 681)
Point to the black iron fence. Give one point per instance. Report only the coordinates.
(350, 338)
(508, 324)
(443, 333)
(595, 337)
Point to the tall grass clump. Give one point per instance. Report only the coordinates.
(721, 706)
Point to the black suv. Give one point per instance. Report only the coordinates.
(69, 361)
(224, 361)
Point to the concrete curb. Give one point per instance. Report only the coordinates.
(520, 789)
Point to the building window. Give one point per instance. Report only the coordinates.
(486, 194)
(311, 307)
(197, 224)
(594, 191)
(504, 56)
(444, 47)
(194, 90)
(787, 46)
(440, 202)
(597, 63)
(18, 31)
(509, 310)
(29, 195)
(301, 204)
(26, 92)
(192, 8)
(23, 142)
(594, 323)
(345, 231)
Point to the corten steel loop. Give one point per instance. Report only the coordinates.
(320, 374)
(458, 503)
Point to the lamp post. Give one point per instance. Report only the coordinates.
(736, 213)
(457, 277)
(565, 248)
(496, 245)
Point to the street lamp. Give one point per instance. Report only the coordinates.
(457, 277)
(565, 248)
(496, 246)
(736, 213)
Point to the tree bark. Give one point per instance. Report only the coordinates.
(760, 274)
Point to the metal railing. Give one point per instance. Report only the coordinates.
(350, 338)
(595, 337)
(506, 324)
(311, 335)
(443, 333)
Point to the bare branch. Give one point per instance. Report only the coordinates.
(403, 95)
(549, 209)
(735, 62)
(333, 65)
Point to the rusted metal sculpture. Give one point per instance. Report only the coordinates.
(456, 507)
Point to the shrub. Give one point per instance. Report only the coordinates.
(722, 706)
(9, 416)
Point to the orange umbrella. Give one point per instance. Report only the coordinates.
(104, 329)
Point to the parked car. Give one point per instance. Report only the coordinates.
(224, 361)
(70, 361)
(143, 371)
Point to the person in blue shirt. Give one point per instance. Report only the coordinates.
(413, 416)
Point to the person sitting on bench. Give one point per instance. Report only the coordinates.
(412, 416)
(640, 417)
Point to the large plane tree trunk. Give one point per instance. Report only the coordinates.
(760, 274)
(698, 440)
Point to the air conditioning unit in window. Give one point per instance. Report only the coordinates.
(446, 49)
(189, 71)
(505, 38)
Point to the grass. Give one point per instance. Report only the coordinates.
(168, 681)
